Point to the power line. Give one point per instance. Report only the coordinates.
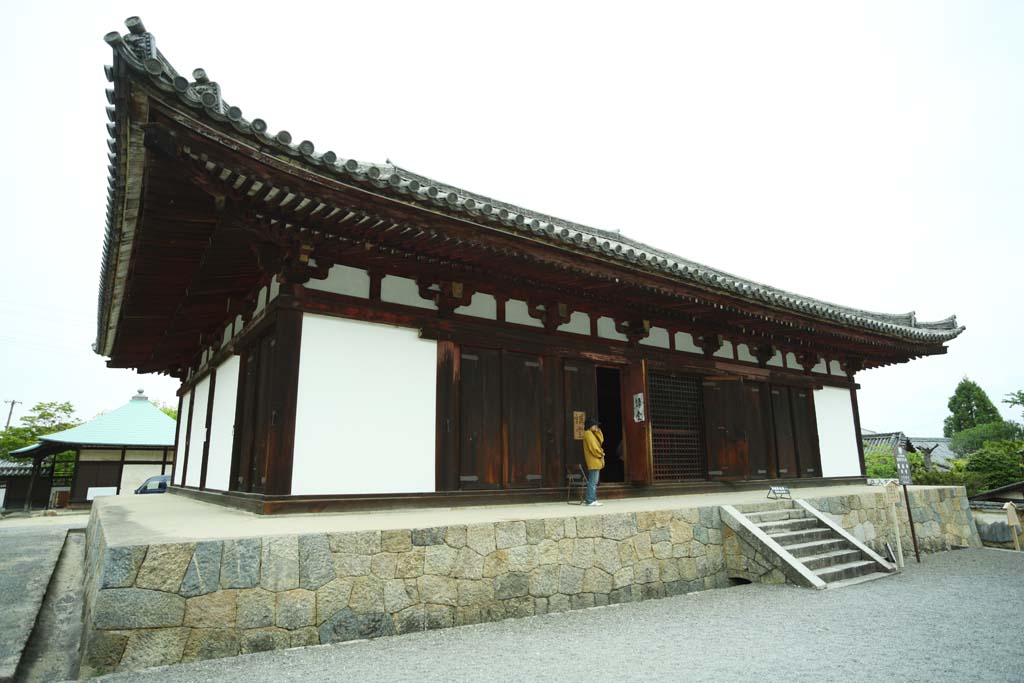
(10, 412)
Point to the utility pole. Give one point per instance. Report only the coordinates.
(10, 412)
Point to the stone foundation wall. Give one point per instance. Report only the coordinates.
(942, 519)
(162, 604)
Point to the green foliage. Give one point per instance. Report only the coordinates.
(880, 463)
(958, 475)
(969, 406)
(169, 411)
(998, 462)
(44, 418)
(1015, 399)
(969, 440)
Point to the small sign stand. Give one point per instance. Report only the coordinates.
(892, 496)
(903, 471)
(778, 492)
(1013, 521)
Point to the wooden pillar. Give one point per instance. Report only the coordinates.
(284, 390)
(856, 425)
(177, 434)
(209, 423)
(188, 435)
(446, 469)
(637, 434)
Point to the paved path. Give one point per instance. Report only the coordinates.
(28, 554)
(955, 617)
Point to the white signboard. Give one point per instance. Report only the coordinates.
(638, 407)
(96, 491)
(892, 492)
(3, 495)
(902, 467)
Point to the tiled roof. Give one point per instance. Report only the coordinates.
(136, 423)
(942, 456)
(137, 49)
(10, 468)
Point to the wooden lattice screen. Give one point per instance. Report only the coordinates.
(677, 426)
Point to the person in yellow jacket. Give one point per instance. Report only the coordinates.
(593, 454)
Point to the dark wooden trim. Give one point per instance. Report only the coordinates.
(376, 278)
(177, 435)
(283, 397)
(268, 504)
(188, 436)
(74, 475)
(209, 425)
(856, 425)
(236, 441)
(446, 474)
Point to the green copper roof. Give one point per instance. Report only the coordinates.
(136, 423)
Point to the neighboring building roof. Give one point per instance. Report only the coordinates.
(15, 469)
(136, 423)
(942, 456)
(138, 51)
(1000, 494)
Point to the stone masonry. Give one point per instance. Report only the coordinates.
(162, 604)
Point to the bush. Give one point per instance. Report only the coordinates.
(974, 482)
(880, 463)
(969, 440)
(998, 462)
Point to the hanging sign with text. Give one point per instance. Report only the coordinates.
(579, 419)
(903, 467)
(638, 407)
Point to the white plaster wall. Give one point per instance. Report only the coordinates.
(835, 369)
(791, 361)
(195, 448)
(481, 306)
(684, 342)
(402, 290)
(182, 424)
(517, 312)
(366, 407)
(261, 299)
(820, 368)
(776, 360)
(222, 428)
(743, 353)
(344, 280)
(275, 289)
(132, 477)
(837, 434)
(146, 455)
(606, 329)
(100, 455)
(579, 323)
(725, 351)
(658, 336)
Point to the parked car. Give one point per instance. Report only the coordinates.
(157, 484)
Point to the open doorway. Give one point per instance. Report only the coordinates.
(609, 412)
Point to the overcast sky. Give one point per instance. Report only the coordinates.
(870, 155)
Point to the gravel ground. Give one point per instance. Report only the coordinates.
(956, 616)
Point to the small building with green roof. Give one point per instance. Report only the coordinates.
(114, 452)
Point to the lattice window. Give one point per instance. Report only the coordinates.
(677, 427)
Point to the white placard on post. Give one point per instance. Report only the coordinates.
(1013, 521)
(892, 496)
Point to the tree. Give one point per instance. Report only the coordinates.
(969, 440)
(998, 462)
(169, 411)
(970, 406)
(44, 418)
(1015, 399)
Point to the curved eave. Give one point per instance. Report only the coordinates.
(136, 53)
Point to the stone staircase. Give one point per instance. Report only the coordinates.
(807, 546)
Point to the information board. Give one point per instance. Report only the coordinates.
(579, 419)
(902, 467)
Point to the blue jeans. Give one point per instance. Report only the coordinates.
(592, 477)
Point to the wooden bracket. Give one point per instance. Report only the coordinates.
(708, 342)
(635, 330)
(552, 315)
(446, 294)
(764, 353)
(807, 360)
(852, 366)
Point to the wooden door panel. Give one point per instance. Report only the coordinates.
(580, 383)
(785, 444)
(725, 420)
(805, 432)
(759, 450)
(522, 381)
(481, 444)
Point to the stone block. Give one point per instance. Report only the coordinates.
(618, 527)
(439, 559)
(518, 608)
(154, 647)
(121, 566)
(606, 555)
(475, 593)
(700, 534)
(279, 570)
(540, 606)
(558, 603)
(509, 534)
(522, 558)
(480, 537)
(547, 552)
(396, 540)
(203, 573)
(680, 531)
(647, 571)
(103, 651)
(264, 640)
(410, 565)
(627, 552)
(240, 563)
(331, 598)
(398, 596)
(623, 577)
(211, 643)
(591, 526)
(596, 581)
(384, 565)
(652, 591)
(305, 637)
(642, 544)
(455, 536)
(212, 610)
(511, 585)
(439, 590)
(410, 620)
(566, 547)
(367, 595)
(583, 553)
(496, 563)
(569, 524)
(296, 609)
(439, 616)
(432, 536)
(662, 550)
(662, 534)
(554, 529)
(164, 567)
(544, 580)
(570, 580)
(355, 542)
(581, 600)
(668, 570)
(349, 564)
(534, 531)
(316, 564)
(254, 608)
(129, 608)
(468, 564)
